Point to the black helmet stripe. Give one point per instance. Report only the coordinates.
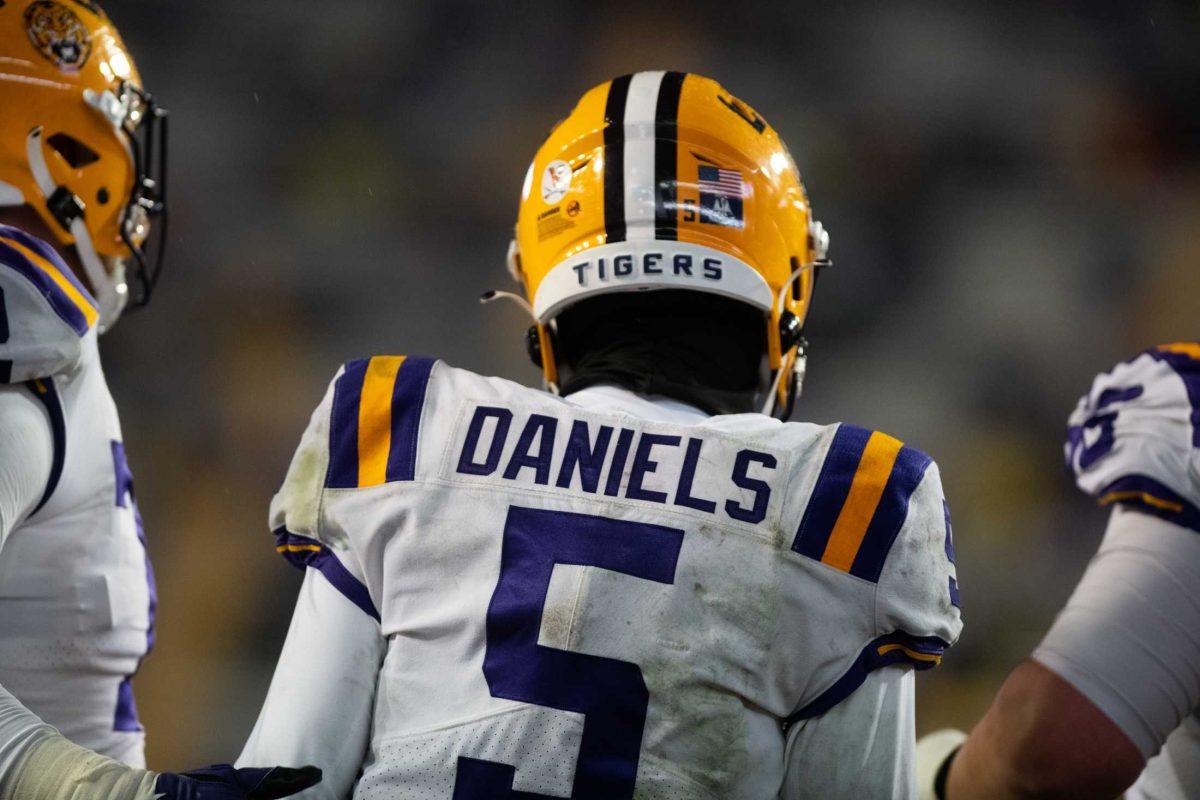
(640, 195)
(614, 159)
(666, 157)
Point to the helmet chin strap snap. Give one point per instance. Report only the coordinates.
(791, 336)
(110, 288)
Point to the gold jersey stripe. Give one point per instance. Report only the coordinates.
(874, 469)
(1191, 349)
(913, 654)
(1145, 497)
(375, 419)
(298, 548)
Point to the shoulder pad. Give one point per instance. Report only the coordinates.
(375, 419)
(363, 433)
(860, 500)
(877, 512)
(1134, 438)
(45, 311)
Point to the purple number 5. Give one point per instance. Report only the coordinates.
(609, 692)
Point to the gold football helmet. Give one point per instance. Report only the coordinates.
(82, 143)
(664, 180)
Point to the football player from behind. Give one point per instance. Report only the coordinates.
(636, 583)
(1111, 697)
(82, 154)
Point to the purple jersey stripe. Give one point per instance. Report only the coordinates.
(126, 715)
(46, 393)
(408, 401)
(1146, 494)
(62, 305)
(303, 551)
(831, 490)
(343, 427)
(890, 513)
(871, 659)
(126, 718)
(952, 586)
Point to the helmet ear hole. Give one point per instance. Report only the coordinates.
(73, 151)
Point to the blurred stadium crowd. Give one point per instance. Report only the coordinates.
(1012, 189)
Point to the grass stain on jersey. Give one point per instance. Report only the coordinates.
(707, 670)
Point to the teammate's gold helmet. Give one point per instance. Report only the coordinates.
(81, 142)
(664, 180)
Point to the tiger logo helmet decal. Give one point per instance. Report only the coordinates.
(58, 34)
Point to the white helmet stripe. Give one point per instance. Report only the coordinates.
(640, 110)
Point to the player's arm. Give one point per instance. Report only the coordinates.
(862, 747)
(1118, 670)
(1113, 677)
(318, 709)
(1042, 738)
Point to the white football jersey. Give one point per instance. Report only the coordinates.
(1134, 440)
(76, 592)
(588, 604)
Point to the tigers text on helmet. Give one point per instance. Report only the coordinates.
(83, 144)
(664, 180)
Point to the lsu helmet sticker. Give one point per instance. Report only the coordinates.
(552, 223)
(721, 196)
(556, 180)
(58, 34)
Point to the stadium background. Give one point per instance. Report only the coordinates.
(1012, 191)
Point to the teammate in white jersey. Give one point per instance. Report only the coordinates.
(1112, 694)
(639, 588)
(81, 149)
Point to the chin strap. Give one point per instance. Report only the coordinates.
(111, 291)
(800, 362)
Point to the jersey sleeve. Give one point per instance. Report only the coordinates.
(324, 685)
(362, 436)
(45, 311)
(1126, 637)
(878, 513)
(917, 606)
(297, 509)
(1134, 439)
